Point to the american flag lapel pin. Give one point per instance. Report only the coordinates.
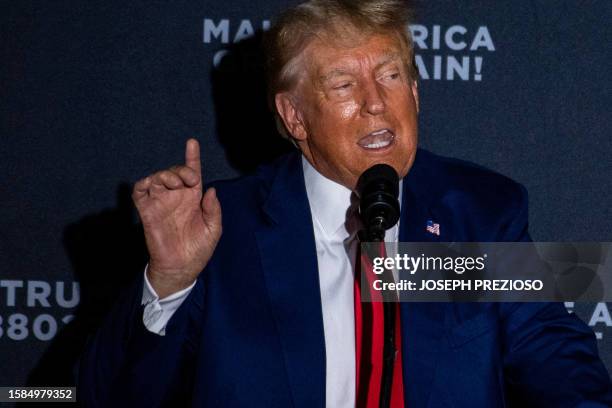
(433, 228)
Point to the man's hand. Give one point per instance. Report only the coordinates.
(182, 227)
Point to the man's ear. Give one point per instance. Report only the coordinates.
(414, 88)
(289, 112)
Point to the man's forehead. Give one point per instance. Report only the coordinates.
(330, 58)
(348, 62)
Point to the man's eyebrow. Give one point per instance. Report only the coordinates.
(333, 73)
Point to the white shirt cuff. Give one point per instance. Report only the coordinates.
(157, 312)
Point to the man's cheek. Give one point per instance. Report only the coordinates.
(348, 110)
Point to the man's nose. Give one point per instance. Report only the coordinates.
(373, 99)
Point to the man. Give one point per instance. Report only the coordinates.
(257, 310)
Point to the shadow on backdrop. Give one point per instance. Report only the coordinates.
(107, 252)
(245, 124)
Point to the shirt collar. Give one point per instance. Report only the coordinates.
(329, 201)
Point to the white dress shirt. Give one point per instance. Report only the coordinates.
(329, 203)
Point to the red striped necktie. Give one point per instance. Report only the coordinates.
(369, 339)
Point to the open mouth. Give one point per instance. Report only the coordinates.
(377, 140)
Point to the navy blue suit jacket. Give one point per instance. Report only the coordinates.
(250, 334)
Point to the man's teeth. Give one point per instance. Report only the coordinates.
(378, 145)
(377, 140)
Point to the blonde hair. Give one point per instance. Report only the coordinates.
(293, 30)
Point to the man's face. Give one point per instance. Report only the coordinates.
(354, 107)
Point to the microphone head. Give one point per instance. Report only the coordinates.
(378, 190)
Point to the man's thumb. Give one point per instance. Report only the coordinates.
(211, 211)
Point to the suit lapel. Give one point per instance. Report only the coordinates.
(289, 262)
(422, 323)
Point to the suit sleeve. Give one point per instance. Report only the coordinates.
(550, 356)
(124, 364)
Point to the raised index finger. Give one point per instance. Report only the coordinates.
(192, 156)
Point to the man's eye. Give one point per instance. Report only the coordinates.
(393, 75)
(342, 86)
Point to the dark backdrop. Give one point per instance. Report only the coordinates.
(96, 95)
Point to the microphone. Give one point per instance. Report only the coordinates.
(378, 190)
